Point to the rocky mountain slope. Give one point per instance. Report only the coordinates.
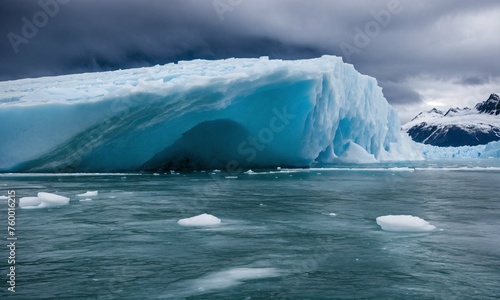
(458, 126)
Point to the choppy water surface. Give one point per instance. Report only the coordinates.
(285, 234)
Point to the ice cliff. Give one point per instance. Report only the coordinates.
(233, 113)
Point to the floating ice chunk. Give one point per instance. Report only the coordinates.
(250, 172)
(89, 194)
(50, 199)
(86, 199)
(404, 223)
(232, 277)
(200, 220)
(332, 214)
(2, 197)
(28, 202)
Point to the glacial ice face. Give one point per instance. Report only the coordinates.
(490, 150)
(234, 113)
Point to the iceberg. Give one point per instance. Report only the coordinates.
(230, 114)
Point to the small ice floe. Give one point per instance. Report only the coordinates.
(86, 199)
(250, 171)
(332, 214)
(29, 202)
(232, 277)
(52, 199)
(200, 220)
(43, 200)
(2, 197)
(89, 194)
(404, 223)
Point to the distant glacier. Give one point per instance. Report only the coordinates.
(231, 114)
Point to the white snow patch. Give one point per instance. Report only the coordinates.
(404, 223)
(200, 220)
(89, 194)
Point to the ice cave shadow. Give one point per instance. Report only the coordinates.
(209, 145)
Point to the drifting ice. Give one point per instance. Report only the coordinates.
(404, 223)
(200, 115)
(89, 194)
(43, 200)
(200, 220)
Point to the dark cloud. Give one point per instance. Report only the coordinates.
(418, 38)
(473, 80)
(400, 93)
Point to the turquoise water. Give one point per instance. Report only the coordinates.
(277, 239)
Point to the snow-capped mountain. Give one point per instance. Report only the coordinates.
(458, 126)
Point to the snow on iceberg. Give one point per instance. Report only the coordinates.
(43, 200)
(200, 220)
(404, 223)
(237, 113)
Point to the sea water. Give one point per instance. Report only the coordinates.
(283, 234)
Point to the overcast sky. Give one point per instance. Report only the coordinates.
(423, 53)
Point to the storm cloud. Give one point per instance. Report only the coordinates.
(393, 41)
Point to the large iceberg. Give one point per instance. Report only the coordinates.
(233, 113)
